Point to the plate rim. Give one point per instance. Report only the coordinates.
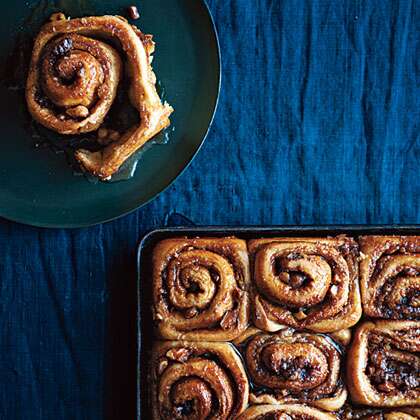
(132, 209)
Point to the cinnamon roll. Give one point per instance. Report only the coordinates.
(360, 413)
(399, 415)
(193, 380)
(306, 283)
(200, 288)
(390, 276)
(293, 367)
(383, 364)
(73, 80)
(285, 412)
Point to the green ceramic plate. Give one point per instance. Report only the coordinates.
(37, 186)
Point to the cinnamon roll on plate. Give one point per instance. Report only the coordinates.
(75, 72)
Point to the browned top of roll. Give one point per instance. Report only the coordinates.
(383, 364)
(305, 283)
(200, 288)
(197, 381)
(390, 276)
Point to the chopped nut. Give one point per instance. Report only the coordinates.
(158, 317)
(113, 135)
(191, 313)
(102, 133)
(284, 277)
(178, 355)
(287, 332)
(229, 320)
(386, 387)
(296, 280)
(57, 16)
(162, 365)
(371, 370)
(334, 289)
(300, 315)
(133, 12)
(79, 111)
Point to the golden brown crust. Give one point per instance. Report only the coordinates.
(368, 413)
(293, 367)
(390, 276)
(73, 79)
(197, 381)
(399, 415)
(200, 288)
(383, 364)
(413, 411)
(305, 283)
(285, 412)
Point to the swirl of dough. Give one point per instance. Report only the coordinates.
(383, 364)
(292, 367)
(200, 289)
(285, 412)
(390, 277)
(77, 84)
(198, 381)
(305, 283)
(73, 79)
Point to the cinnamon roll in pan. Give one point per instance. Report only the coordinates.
(201, 289)
(285, 412)
(390, 276)
(305, 283)
(399, 415)
(360, 413)
(383, 364)
(197, 381)
(73, 79)
(293, 367)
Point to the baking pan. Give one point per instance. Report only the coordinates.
(144, 289)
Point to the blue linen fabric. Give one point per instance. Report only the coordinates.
(318, 123)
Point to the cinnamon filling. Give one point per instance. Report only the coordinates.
(391, 370)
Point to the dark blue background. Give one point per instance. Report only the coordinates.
(318, 123)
